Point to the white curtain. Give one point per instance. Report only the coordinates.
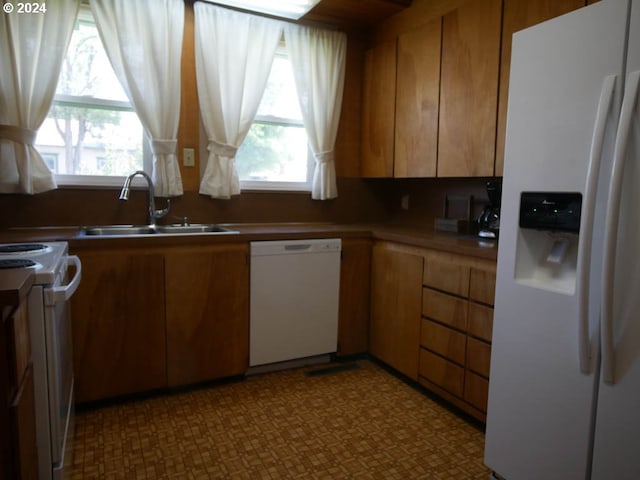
(318, 58)
(234, 53)
(143, 40)
(32, 48)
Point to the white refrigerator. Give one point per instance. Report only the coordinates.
(564, 394)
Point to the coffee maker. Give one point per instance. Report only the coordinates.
(489, 219)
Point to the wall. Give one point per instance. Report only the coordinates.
(360, 200)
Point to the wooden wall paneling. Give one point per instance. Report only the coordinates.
(520, 14)
(417, 101)
(469, 89)
(417, 14)
(378, 110)
(189, 126)
(347, 148)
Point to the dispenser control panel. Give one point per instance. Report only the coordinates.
(554, 211)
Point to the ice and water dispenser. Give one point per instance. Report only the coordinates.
(547, 245)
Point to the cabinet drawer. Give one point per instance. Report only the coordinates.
(482, 286)
(480, 321)
(476, 390)
(446, 276)
(445, 308)
(478, 356)
(443, 340)
(446, 374)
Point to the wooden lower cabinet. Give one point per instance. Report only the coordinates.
(119, 340)
(355, 275)
(455, 342)
(396, 292)
(207, 308)
(18, 447)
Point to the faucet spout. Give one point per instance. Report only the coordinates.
(153, 213)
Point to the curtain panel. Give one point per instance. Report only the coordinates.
(143, 40)
(318, 58)
(234, 54)
(32, 49)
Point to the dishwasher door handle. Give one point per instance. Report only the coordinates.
(298, 247)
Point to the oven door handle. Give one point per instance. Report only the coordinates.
(59, 294)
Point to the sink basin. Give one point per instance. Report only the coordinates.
(129, 230)
(196, 228)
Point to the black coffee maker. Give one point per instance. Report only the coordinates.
(489, 219)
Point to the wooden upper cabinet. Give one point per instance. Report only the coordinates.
(469, 89)
(417, 101)
(520, 14)
(378, 110)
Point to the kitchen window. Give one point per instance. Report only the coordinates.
(92, 135)
(275, 154)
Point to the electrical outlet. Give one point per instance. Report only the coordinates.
(188, 157)
(404, 202)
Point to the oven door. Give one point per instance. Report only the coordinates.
(60, 365)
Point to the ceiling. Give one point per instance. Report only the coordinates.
(355, 13)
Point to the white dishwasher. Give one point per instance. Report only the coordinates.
(294, 295)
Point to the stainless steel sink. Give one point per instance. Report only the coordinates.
(196, 228)
(130, 230)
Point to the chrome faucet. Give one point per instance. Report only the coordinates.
(153, 213)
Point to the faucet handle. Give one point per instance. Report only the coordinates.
(184, 220)
(163, 212)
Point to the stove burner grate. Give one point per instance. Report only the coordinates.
(22, 247)
(16, 263)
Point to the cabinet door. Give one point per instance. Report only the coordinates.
(355, 275)
(520, 14)
(23, 414)
(469, 89)
(207, 297)
(417, 102)
(378, 110)
(396, 284)
(119, 343)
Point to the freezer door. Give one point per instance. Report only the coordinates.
(617, 433)
(541, 405)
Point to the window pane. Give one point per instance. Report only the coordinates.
(275, 149)
(91, 141)
(91, 128)
(86, 70)
(273, 153)
(280, 98)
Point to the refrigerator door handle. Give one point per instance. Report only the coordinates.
(588, 212)
(611, 224)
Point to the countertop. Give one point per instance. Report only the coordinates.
(416, 236)
(14, 286)
(12, 283)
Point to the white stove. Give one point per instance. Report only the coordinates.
(47, 259)
(51, 348)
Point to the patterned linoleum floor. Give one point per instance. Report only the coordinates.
(362, 423)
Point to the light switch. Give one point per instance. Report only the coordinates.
(189, 157)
